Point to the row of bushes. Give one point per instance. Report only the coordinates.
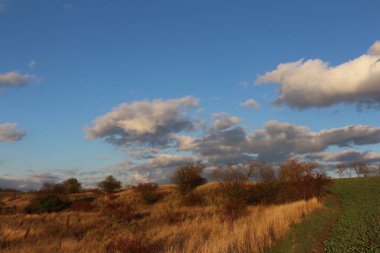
(296, 180)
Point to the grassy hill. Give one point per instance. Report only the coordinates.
(350, 221)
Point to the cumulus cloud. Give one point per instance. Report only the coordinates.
(185, 142)
(313, 83)
(150, 132)
(15, 79)
(151, 123)
(10, 133)
(250, 103)
(375, 49)
(347, 156)
(223, 121)
(281, 140)
(275, 142)
(223, 146)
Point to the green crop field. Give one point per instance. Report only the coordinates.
(350, 221)
(358, 228)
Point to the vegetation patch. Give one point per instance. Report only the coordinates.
(358, 229)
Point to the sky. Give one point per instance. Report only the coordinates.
(137, 88)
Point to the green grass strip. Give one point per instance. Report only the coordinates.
(308, 235)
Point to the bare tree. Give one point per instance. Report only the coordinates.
(261, 171)
(360, 168)
(340, 169)
(364, 169)
(294, 170)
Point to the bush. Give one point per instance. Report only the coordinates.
(232, 182)
(118, 210)
(134, 244)
(72, 185)
(192, 199)
(148, 192)
(81, 206)
(262, 193)
(298, 180)
(110, 184)
(188, 177)
(50, 188)
(47, 203)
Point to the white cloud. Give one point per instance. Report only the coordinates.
(313, 83)
(152, 123)
(250, 103)
(223, 121)
(281, 140)
(10, 133)
(375, 49)
(185, 143)
(15, 79)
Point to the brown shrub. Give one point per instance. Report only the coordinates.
(133, 244)
(232, 183)
(188, 177)
(81, 206)
(118, 210)
(148, 192)
(192, 199)
(262, 193)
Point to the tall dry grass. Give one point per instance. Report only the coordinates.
(252, 233)
(166, 226)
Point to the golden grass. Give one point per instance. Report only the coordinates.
(176, 228)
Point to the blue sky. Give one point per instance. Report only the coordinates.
(81, 59)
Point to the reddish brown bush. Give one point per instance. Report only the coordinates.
(148, 192)
(264, 193)
(118, 210)
(192, 199)
(134, 244)
(81, 206)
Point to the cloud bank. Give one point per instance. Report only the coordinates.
(313, 83)
(347, 156)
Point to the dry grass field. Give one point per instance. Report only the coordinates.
(124, 223)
